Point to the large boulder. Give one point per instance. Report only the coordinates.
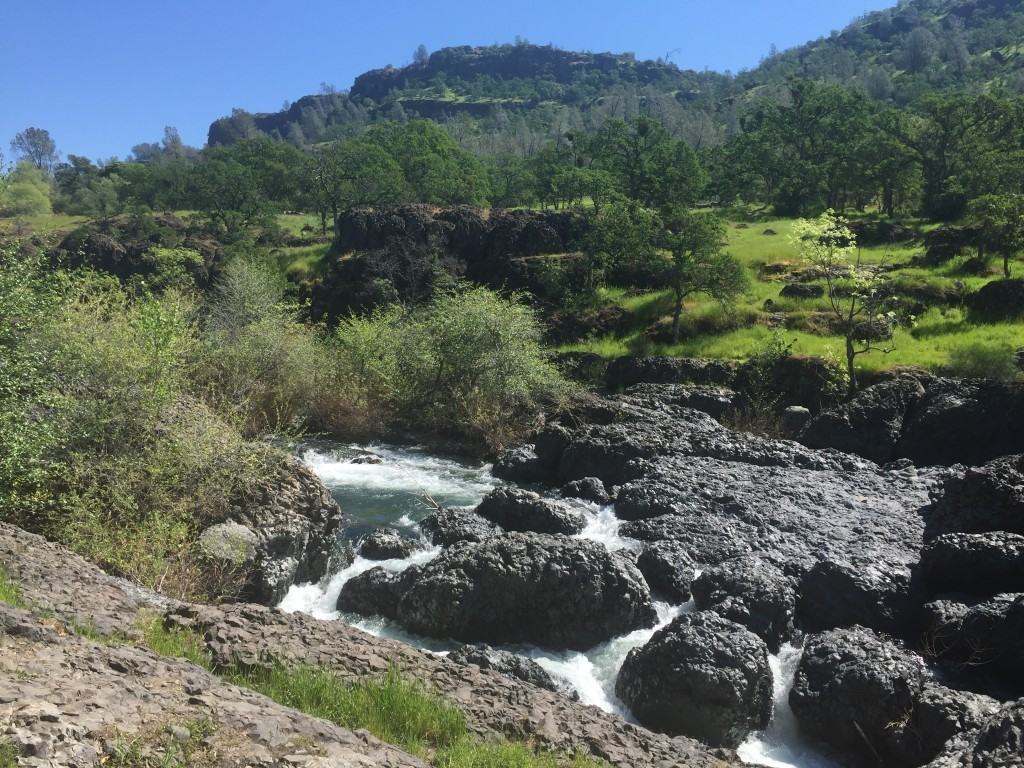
(511, 664)
(843, 593)
(982, 564)
(588, 489)
(997, 301)
(447, 526)
(966, 421)
(869, 425)
(627, 371)
(375, 592)
(870, 699)
(701, 676)
(997, 743)
(515, 509)
(752, 592)
(668, 569)
(527, 587)
(387, 544)
(982, 637)
(294, 523)
(981, 499)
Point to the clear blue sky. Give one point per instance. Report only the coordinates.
(103, 75)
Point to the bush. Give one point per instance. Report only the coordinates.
(992, 361)
(470, 364)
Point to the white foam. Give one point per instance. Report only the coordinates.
(781, 746)
(603, 526)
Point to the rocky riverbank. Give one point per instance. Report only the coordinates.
(64, 695)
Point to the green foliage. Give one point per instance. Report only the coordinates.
(469, 363)
(352, 173)
(25, 192)
(392, 708)
(980, 360)
(436, 169)
(8, 755)
(160, 747)
(1000, 219)
(167, 269)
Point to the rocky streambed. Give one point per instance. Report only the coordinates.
(802, 606)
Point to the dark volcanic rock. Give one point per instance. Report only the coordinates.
(997, 743)
(627, 371)
(517, 510)
(527, 587)
(751, 592)
(802, 291)
(506, 663)
(702, 676)
(967, 421)
(387, 544)
(998, 300)
(978, 563)
(588, 489)
(668, 569)
(987, 637)
(867, 697)
(521, 465)
(842, 593)
(445, 527)
(987, 498)
(375, 592)
(295, 523)
(870, 425)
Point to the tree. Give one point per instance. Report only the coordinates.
(920, 49)
(512, 181)
(351, 173)
(421, 56)
(36, 146)
(26, 192)
(1000, 219)
(696, 263)
(621, 238)
(857, 299)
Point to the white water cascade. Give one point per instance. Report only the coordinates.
(388, 494)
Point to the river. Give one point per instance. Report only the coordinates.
(391, 493)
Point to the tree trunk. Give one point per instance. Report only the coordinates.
(676, 313)
(851, 354)
(1006, 265)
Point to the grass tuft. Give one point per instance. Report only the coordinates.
(9, 591)
(393, 709)
(8, 755)
(175, 643)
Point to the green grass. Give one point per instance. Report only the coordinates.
(9, 591)
(42, 224)
(304, 261)
(8, 755)
(942, 339)
(175, 643)
(294, 223)
(392, 708)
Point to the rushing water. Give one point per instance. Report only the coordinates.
(391, 493)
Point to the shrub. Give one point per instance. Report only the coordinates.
(470, 363)
(993, 361)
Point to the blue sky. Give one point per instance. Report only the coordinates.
(103, 75)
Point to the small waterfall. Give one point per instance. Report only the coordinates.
(780, 745)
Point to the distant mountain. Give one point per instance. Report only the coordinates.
(502, 97)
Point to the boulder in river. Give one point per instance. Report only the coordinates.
(515, 509)
(997, 743)
(526, 587)
(867, 697)
(668, 569)
(511, 664)
(375, 592)
(588, 489)
(981, 499)
(701, 676)
(387, 544)
(752, 592)
(449, 525)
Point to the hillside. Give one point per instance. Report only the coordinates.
(521, 91)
